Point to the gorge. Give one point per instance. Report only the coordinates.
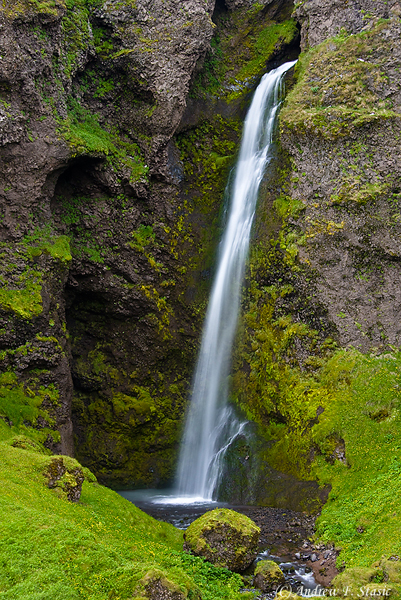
(120, 122)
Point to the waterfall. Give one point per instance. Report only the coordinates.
(211, 425)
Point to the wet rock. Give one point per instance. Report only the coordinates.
(224, 538)
(268, 576)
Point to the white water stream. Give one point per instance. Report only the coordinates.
(211, 425)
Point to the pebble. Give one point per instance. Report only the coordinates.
(298, 555)
(313, 558)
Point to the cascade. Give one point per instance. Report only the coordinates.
(211, 424)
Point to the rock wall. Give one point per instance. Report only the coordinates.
(325, 267)
(119, 124)
(107, 229)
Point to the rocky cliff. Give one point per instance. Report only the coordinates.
(325, 266)
(112, 178)
(120, 122)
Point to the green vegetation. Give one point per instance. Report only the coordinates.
(14, 8)
(207, 154)
(20, 402)
(339, 86)
(225, 538)
(23, 274)
(334, 417)
(142, 237)
(362, 515)
(99, 548)
(84, 134)
(239, 52)
(266, 42)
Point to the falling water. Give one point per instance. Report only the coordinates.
(211, 425)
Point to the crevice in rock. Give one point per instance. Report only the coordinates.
(219, 9)
(83, 177)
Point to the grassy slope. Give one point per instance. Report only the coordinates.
(100, 547)
(363, 512)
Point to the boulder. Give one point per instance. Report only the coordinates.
(155, 585)
(225, 538)
(65, 476)
(268, 576)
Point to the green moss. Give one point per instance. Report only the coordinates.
(266, 42)
(41, 241)
(25, 302)
(21, 403)
(14, 8)
(339, 87)
(334, 420)
(142, 237)
(207, 154)
(85, 136)
(362, 581)
(216, 517)
(142, 404)
(245, 41)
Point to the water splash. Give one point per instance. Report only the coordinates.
(211, 425)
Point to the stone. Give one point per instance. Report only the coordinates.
(225, 538)
(156, 586)
(65, 475)
(268, 576)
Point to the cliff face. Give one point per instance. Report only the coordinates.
(107, 229)
(325, 266)
(91, 299)
(119, 124)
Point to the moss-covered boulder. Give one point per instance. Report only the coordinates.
(268, 576)
(65, 475)
(156, 586)
(224, 538)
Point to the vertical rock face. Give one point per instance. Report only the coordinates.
(325, 271)
(341, 126)
(119, 122)
(108, 217)
(91, 95)
(323, 19)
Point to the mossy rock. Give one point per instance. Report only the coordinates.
(158, 587)
(65, 475)
(268, 576)
(224, 538)
(25, 443)
(391, 569)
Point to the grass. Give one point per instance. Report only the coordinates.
(102, 547)
(362, 515)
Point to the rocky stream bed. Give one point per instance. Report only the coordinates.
(286, 537)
